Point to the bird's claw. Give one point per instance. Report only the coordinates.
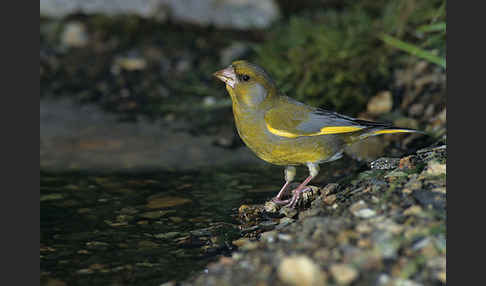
(292, 202)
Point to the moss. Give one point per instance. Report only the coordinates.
(336, 59)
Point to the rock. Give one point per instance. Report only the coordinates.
(365, 213)
(300, 270)
(406, 122)
(288, 212)
(357, 206)
(233, 52)
(129, 63)
(344, 274)
(434, 168)
(330, 199)
(165, 202)
(271, 207)
(381, 103)
(236, 14)
(329, 188)
(385, 163)
(74, 35)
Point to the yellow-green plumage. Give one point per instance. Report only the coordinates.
(283, 131)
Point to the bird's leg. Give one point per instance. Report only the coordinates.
(289, 173)
(282, 191)
(313, 170)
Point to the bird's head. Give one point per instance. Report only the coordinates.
(247, 83)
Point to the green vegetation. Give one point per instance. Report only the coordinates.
(338, 58)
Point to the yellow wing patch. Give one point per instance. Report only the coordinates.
(323, 131)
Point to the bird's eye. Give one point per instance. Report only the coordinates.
(245, 77)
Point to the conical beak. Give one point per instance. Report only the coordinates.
(227, 75)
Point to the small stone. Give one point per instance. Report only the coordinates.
(381, 103)
(74, 35)
(407, 162)
(285, 221)
(241, 242)
(406, 122)
(413, 210)
(269, 236)
(288, 212)
(165, 202)
(154, 214)
(385, 163)
(434, 168)
(358, 206)
(329, 188)
(51, 197)
(147, 244)
(365, 213)
(271, 207)
(301, 270)
(330, 199)
(167, 235)
(344, 274)
(176, 219)
(130, 64)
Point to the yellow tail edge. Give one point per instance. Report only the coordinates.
(398, 130)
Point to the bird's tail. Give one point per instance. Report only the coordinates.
(375, 128)
(386, 130)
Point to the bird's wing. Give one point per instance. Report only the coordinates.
(293, 119)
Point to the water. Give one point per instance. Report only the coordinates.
(142, 229)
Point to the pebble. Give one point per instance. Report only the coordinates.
(381, 103)
(165, 202)
(271, 207)
(365, 213)
(74, 35)
(434, 168)
(330, 199)
(385, 163)
(301, 270)
(344, 274)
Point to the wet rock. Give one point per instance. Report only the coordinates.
(329, 188)
(381, 103)
(330, 199)
(147, 244)
(385, 163)
(285, 221)
(288, 212)
(155, 214)
(271, 207)
(429, 198)
(51, 197)
(301, 270)
(129, 63)
(165, 202)
(344, 274)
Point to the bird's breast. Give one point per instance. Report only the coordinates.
(280, 150)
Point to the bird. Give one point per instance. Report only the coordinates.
(283, 131)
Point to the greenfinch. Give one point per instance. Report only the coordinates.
(283, 131)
